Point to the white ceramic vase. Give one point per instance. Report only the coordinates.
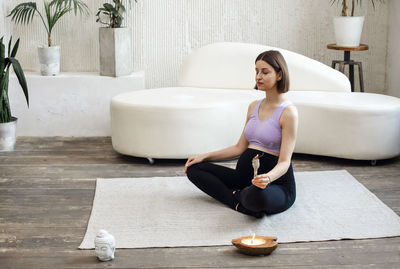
(348, 30)
(49, 58)
(8, 134)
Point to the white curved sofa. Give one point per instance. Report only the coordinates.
(207, 110)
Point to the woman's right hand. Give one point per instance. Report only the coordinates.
(194, 160)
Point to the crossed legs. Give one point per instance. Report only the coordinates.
(223, 184)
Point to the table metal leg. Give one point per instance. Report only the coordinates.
(351, 75)
(360, 74)
(351, 64)
(351, 68)
(341, 67)
(347, 56)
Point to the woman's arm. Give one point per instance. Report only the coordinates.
(226, 153)
(289, 122)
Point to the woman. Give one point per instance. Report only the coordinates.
(270, 132)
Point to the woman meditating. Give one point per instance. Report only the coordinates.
(270, 133)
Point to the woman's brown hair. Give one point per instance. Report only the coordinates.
(275, 59)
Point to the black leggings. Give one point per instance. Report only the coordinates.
(219, 182)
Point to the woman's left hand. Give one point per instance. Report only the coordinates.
(261, 181)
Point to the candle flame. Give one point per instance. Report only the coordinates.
(252, 240)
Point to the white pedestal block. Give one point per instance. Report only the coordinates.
(70, 104)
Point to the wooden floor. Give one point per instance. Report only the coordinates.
(46, 193)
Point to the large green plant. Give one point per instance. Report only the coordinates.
(345, 6)
(54, 10)
(5, 63)
(113, 13)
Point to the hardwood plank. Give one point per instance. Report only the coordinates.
(303, 255)
(88, 171)
(26, 240)
(63, 183)
(46, 192)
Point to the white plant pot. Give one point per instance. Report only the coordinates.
(115, 52)
(348, 30)
(8, 134)
(49, 58)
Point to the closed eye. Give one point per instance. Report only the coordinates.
(264, 71)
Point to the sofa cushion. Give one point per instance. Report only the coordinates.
(230, 65)
(178, 122)
(349, 125)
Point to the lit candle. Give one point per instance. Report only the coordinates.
(253, 241)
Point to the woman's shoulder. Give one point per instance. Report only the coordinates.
(251, 108)
(253, 104)
(290, 111)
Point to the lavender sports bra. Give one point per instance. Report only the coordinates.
(267, 133)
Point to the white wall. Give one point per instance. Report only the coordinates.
(4, 23)
(393, 56)
(165, 31)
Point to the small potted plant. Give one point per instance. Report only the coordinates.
(347, 27)
(115, 40)
(8, 123)
(49, 56)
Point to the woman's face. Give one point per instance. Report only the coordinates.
(266, 77)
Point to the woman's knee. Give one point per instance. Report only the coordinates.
(273, 199)
(253, 198)
(190, 171)
(193, 170)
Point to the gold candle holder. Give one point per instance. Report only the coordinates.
(256, 245)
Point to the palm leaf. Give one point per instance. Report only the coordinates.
(21, 77)
(47, 12)
(75, 5)
(373, 4)
(23, 13)
(49, 17)
(57, 15)
(358, 2)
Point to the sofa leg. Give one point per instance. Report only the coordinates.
(373, 162)
(151, 160)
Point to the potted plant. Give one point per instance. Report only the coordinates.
(49, 56)
(348, 28)
(8, 123)
(115, 41)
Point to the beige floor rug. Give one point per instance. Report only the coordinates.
(171, 212)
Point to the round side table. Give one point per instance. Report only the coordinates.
(349, 62)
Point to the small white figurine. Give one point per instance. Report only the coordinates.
(104, 245)
(256, 164)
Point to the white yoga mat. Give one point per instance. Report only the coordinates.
(171, 212)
